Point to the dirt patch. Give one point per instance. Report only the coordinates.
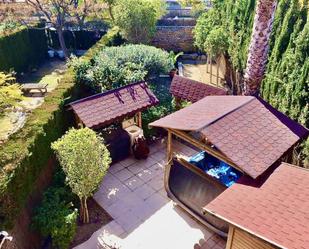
(98, 218)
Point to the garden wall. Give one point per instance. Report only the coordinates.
(25, 159)
(22, 49)
(175, 38)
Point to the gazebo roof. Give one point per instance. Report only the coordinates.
(105, 108)
(192, 90)
(247, 130)
(277, 211)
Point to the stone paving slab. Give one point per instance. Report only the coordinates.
(143, 216)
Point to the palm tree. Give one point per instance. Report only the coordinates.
(259, 46)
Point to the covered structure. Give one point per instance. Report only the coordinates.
(272, 214)
(191, 90)
(103, 109)
(246, 135)
(123, 104)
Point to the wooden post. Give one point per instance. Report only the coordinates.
(169, 145)
(139, 119)
(230, 237)
(218, 64)
(210, 61)
(177, 103)
(79, 123)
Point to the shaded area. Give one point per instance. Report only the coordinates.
(98, 217)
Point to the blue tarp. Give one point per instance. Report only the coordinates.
(212, 166)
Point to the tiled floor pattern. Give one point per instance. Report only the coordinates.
(144, 217)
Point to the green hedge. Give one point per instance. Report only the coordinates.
(22, 49)
(26, 153)
(82, 39)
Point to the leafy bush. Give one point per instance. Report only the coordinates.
(56, 217)
(9, 26)
(118, 66)
(26, 153)
(137, 18)
(10, 94)
(160, 88)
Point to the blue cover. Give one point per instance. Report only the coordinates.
(219, 170)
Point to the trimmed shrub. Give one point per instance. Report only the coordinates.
(117, 66)
(22, 50)
(26, 153)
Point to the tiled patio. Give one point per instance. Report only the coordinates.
(143, 216)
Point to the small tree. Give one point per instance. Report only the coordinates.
(10, 93)
(198, 6)
(137, 18)
(216, 44)
(85, 160)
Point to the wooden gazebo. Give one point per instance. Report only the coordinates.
(112, 107)
(243, 132)
(103, 109)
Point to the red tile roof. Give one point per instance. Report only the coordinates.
(204, 112)
(241, 127)
(105, 108)
(191, 90)
(277, 212)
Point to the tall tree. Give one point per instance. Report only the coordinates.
(58, 13)
(259, 46)
(137, 18)
(55, 12)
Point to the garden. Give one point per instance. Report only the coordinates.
(103, 68)
(51, 170)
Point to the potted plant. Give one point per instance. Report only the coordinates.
(174, 58)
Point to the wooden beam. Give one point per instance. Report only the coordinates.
(169, 146)
(78, 121)
(139, 119)
(205, 147)
(177, 103)
(230, 237)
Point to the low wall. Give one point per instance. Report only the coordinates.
(175, 38)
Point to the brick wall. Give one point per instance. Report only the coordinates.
(176, 38)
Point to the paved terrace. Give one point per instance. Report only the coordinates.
(143, 216)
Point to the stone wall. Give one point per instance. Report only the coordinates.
(175, 38)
